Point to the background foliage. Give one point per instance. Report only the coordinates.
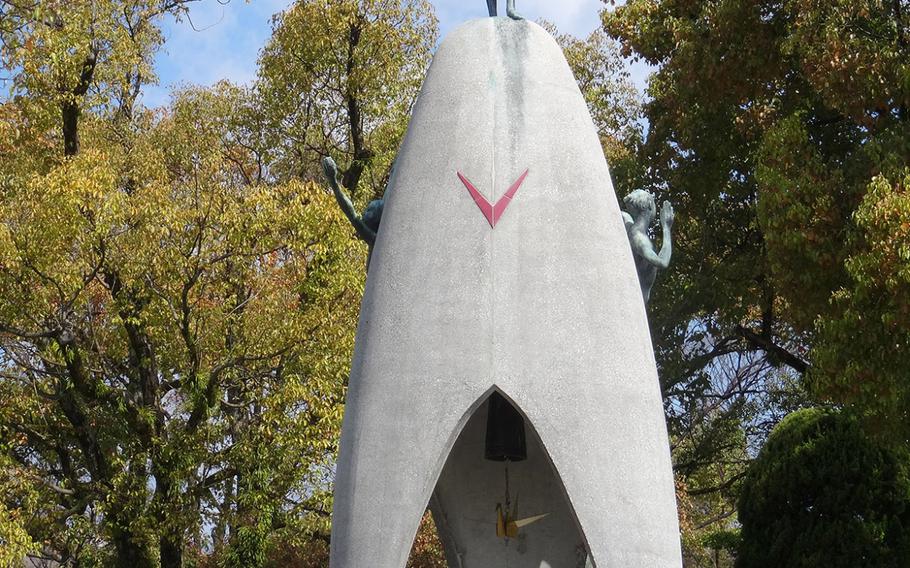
(822, 493)
(780, 130)
(178, 292)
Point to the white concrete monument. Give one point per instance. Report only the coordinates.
(502, 276)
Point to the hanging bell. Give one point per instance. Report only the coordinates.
(505, 439)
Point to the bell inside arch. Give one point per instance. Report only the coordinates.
(505, 438)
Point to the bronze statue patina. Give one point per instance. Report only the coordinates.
(366, 224)
(510, 9)
(641, 211)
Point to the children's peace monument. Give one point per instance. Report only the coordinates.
(503, 374)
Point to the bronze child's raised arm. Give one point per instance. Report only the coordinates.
(641, 211)
(367, 224)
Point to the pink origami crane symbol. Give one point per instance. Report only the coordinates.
(493, 212)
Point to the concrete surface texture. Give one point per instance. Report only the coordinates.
(544, 308)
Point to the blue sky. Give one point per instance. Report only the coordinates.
(224, 39)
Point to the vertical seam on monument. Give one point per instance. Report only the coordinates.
(493, 303)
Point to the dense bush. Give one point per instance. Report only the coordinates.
(822, 493)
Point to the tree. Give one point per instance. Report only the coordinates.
(338, 78)
(779, 129)
(771, 125)
(165, 315)
(862, 353)
(427, 551)
(66, 57)
(15, 541)
(822, 493)
(178, 298)
(174, 339)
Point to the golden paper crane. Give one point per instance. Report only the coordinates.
(507, 524)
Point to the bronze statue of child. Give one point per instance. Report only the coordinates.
(641, 212)
(510, 9)
(367, 224)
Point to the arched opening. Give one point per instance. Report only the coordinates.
(499, 501)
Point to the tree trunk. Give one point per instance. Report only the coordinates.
(171, 549)
(130, 553)
(362, 154)
(170, 531)
(70, 129)
(70, 109)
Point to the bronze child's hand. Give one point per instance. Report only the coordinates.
(667, 215)
(330, 169)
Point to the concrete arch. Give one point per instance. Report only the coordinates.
(469, 487)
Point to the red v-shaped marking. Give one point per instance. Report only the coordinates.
(493, 212)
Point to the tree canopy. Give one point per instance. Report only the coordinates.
(179, 293)
(174, 338)
(339, 79)
(175, 324)
(822, 493)
(780, 131)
